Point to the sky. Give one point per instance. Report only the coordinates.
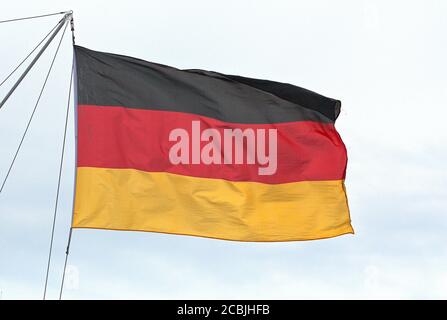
(385, 60)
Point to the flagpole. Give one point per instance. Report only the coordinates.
(60, 168)
(75, 98)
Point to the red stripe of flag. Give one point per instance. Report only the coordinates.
(117, 137)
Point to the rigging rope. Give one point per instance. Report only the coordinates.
(34, 111)
(34, 17)
(59, 179)
(29, 54)
(68, 17)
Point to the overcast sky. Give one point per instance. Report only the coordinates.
(386, 62)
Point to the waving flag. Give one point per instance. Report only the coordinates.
(201, 153)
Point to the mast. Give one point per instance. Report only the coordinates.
(61, 23)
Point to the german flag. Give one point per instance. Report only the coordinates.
(201, 153)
